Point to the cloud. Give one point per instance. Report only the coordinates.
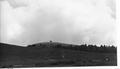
(69, 21)
(15, 3)
(112, 5)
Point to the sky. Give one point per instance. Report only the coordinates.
(25, 22)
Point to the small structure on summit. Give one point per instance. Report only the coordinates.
(50, 41)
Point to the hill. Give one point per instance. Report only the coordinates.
(52, 54)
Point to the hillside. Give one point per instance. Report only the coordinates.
(52, 54)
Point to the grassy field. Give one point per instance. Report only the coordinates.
(16, 56)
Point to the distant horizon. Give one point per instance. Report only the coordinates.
(98, 45)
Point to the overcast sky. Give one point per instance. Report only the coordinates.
(25, 22)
